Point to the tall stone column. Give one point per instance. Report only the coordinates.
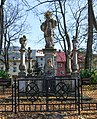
(75, 73)
(75, 55)
(22, 66)
(48, 28)
(29, 70)
(49, 67)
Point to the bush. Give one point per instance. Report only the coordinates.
(89, 74)
(85, 73)
(94, 77)
(4, 75)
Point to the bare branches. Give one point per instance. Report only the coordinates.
(14, 26)
(40, 3)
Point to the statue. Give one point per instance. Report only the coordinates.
(48, 28)
(22, 66)
(23, 41)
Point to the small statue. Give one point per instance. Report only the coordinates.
(23, 41)
(48, 28)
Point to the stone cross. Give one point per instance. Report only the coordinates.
(48, 28)
(22, 66)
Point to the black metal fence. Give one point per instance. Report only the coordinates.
(42, 94)
(6, 96)
(88, 95)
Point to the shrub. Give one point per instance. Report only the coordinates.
(94, 77)
(89, 74)
(85, 73)
(4, 74)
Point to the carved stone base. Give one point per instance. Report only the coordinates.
(49, 67)
(21, 74)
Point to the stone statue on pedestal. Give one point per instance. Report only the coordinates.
(48, 28)
(22, 66)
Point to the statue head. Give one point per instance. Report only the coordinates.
(49, 63)
(48, 15)
(23, 41)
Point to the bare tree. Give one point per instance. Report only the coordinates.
(1, 24)
(64, 32)
(79, 23)
(59, 9)
(91, 22)
(14, 26)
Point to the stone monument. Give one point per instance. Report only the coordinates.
(75, 74)
(29, 70)
(22, 66)
(75, 55)
(48, 28)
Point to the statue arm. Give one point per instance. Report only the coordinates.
(54, 23)
(43, 27)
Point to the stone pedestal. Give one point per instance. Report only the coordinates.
(49, 67)
(22, 85)
(75, 55)
(22, 66)
(29, 70)
(75, 74)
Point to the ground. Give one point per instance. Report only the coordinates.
(88, 91)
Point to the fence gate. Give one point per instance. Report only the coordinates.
(40, 95)
(47, 95)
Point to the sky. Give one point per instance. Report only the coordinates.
(35, 37)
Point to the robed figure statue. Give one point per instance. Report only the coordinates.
(48, 28)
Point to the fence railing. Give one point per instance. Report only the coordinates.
(43, 94)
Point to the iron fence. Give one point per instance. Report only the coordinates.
(42, 94)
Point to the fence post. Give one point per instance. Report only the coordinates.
(12, 88)
(15, 97)
(46, 94)
(78, 98)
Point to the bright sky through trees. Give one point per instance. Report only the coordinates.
(35, 35)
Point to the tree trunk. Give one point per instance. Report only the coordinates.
(68, 52)
(88, 58)
(1, 27)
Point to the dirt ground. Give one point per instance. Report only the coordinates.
(84, 115)
(88, 91)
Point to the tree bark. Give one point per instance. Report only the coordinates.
(88, 58)
(1, 27)
(94, 19)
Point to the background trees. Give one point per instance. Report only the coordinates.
(14, 26)
(75, 18)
